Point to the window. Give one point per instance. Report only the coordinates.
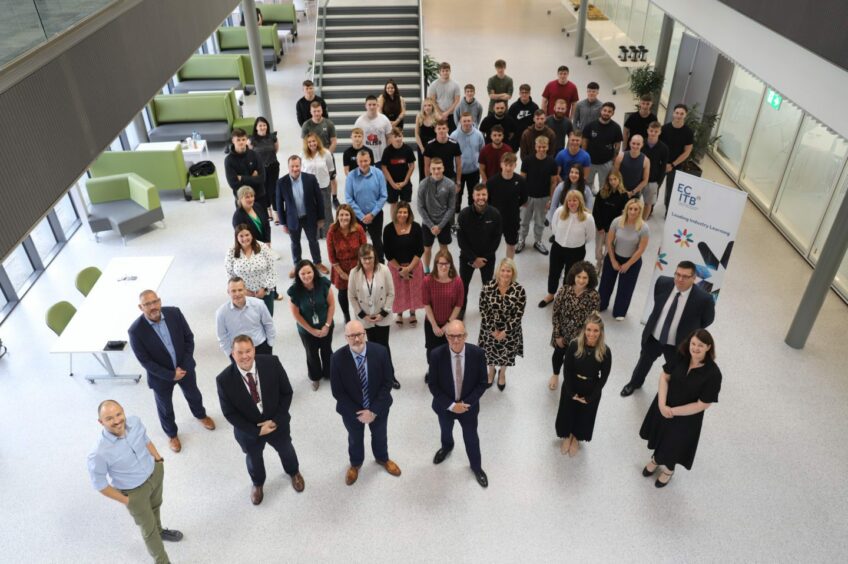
(18, 267)
(738, 115)
(43, 238)
(771, 144)
(673, 51)
(636, 25)
(653, 25)
(67, 214)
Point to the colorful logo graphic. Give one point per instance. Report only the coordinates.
(684, 238)
(661, 261)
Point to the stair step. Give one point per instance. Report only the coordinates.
(388, 70)
(332, 55)
(371, 10)
(376, 63)
(333, 91)
(371, 32)
(371, 20)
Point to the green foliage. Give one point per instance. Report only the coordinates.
(702, 127)
(646, 80)
(431, 68)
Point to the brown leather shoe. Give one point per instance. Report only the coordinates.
(256, 495)
(351, 475)
(208, 423)
(297, 482)
(291, 273)
(174, 443)
(322, 269)
(390, 467)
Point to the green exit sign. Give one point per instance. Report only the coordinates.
(774, 99)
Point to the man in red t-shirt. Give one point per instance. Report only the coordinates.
(490, 155)
(560, 89)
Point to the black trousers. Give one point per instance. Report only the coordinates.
(252, 446)
(165, 403)
(466, 272)
(356, 439)
(669, 186)
(375, 231)
(380, 335)
(344, 304)
(318, 353)
(561, 260)
(264, 348)
(468, 422)
(451, 123)
(558, 358)
(469, 180)
(272, 174)
(651, 351)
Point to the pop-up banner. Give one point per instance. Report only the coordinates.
(701, 226)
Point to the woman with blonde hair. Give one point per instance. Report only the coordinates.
(627, 240)
(502, 303)
(319, 162)
(572, 227)
(587, 366)
(425, 131)
(609, 204)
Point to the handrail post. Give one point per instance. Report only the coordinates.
(422, 93)
(322, 15)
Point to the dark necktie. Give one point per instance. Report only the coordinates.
(668, 319)
(251, 385)
(457, 376)
(363, 379)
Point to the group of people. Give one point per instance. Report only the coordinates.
(385, 274)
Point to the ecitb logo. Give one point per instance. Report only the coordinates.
(687, 196)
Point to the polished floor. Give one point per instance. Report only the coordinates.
(768, 484)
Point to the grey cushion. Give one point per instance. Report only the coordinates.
(215, 131)
(123, 216)
(267, 53)
(207, 85)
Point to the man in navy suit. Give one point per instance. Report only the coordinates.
(164, 345)
(458, 378)
(255, 397)
(680, 307)
(301, 208)
(361, 377)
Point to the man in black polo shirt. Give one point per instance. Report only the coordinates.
(679, 139)
(602, 140)
(479, 236)
(398, 163)
(657, 153)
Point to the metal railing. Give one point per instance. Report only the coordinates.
(26, 24)
(318, 57)
(423, 93)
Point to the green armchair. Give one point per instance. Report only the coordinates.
(165, 169)
(124, 203)
(234, 40)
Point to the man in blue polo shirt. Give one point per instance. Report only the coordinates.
(365, 192)
(125, 466)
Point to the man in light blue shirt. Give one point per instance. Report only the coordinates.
(365, 192)
(470, 142)
(125, 466)
(244, 315)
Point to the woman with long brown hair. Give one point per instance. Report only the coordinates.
(252, 261)
(344, 238)
(391, 104)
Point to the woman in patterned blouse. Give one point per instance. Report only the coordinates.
(343, 241)
(253, 262)
(502, 303)
(574, 302)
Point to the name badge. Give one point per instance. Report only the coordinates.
(315, 319)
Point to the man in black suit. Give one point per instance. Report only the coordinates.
(300, 208)
(164, 345)
(457, 380)
(361, 377)
(680, 307)
(255, 396)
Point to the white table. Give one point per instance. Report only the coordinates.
(609, 37)
(190, 155)
(109, 310)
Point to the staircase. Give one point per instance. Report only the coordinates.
(364, 46)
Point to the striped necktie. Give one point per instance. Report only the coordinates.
(363, 379)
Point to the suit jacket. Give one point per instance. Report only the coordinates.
(313, 203)
(238, 407)
(240, 216)
(475, 379)
(347, 388)
(152, 354)
(698, 313)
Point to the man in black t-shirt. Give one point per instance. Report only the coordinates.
(498, 116)
(637, 123)
(657, 153)
(602, 140)
(507, 193)
(357, 143)
(560, 125)
(302, 105)
(540, 172)
(522, 111)
(397, 163)
(446, 149)
(679, 139)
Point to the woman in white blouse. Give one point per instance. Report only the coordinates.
(319, 161)
(572, 227)
(371, 293)
(252, 261)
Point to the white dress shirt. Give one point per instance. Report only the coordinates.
(675, 321)
(453, 355)
(572, 233)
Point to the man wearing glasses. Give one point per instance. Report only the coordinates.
(680, 307)
(457, 380)
(361, 377)
(164, 345)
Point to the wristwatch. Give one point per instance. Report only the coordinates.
(158, 460)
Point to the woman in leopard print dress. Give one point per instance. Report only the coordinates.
(502, 303)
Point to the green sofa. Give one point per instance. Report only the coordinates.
(124, 203)
(283, 15)
(211, 114)
(164, 169)
(212, 72)
(234, 40)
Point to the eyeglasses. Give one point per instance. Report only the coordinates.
(456, 336)
(355, 335)
(364, 259)
(152, 302)
(683, 276)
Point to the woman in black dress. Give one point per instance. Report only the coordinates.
(587, 367)
(687, 388)
(264, 143)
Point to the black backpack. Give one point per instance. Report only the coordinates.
(203, 168)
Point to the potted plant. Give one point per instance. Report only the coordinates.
(431, 69)
(702, 127)
(645, 80)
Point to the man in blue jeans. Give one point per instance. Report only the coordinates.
(301, 208)
(365, 192)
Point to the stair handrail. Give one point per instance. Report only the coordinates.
(322, 16)
(423, 92)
